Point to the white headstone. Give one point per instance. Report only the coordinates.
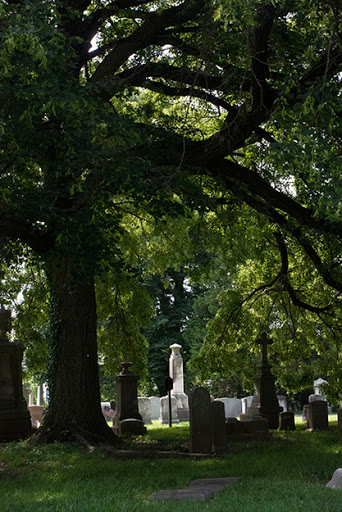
(336, 481)
(164, 410)
(155, 407)
(245, 403)
(232, 406)
(144, 408)
(282, 401)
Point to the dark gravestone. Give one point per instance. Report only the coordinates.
(218, 426)
(339, 418)
(318, 415)
(200, 421)
(265, 402)
(127, 418)
(286, 421)
(250, 428)
(15, 420)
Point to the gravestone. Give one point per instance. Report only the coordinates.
(339, 418)
(249, 428)
(286, 421)
(336, 480)
(155, 407)
(282, 401)
(127, 419)
(36, 413)
(200, 421)
(305, 413)
(198, 490)
(107, 411)
(318, 415)
(319, 385)
(15, 420)
(232, 406)
(164, 410)
(218, 427)
(144, 406)
(265, 402)
(315, 398)
(245, 403)
(176, 373)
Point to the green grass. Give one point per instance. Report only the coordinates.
(288, 473)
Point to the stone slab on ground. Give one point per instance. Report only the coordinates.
(198, 490)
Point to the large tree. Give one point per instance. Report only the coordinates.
(239, 93)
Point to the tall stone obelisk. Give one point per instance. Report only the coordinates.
(176, 373)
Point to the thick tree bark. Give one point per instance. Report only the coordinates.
(74, 407)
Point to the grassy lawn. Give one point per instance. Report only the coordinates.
(288, 473)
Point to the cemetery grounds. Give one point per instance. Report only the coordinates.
(288, 473)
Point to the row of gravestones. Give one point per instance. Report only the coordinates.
(210, 429)
(154, 408)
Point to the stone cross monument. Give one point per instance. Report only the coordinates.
(265, 401)
(15, 420)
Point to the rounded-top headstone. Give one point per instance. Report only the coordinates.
(336, 481)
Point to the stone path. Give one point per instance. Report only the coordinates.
(197, 490)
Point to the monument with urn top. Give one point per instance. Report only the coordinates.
(15, 419)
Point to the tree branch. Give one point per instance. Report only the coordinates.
(285, 279)
(154, 24)
(14, 229)
(137, 75)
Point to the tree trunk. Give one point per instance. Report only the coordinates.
(74, 410)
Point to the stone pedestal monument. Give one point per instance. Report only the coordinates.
(15, 420)
(127, 418)
(176, 373)
(265, 402)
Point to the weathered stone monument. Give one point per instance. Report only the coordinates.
(127, 419)
(155, 407)
(15, 420)
(164, 410)
(336, 480)
(200, 421)
(176, 373)
(245, 403)
(265, 401)
(232, 406)
(144, 407)
(318, 415)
